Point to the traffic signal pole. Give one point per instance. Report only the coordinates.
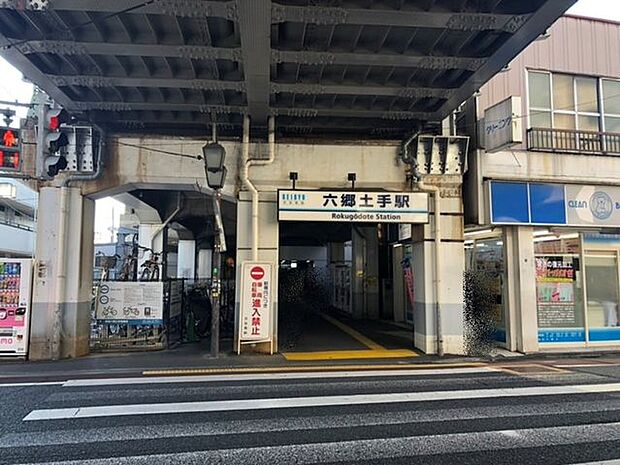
(216, 284)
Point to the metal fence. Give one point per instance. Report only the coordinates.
(133, 332)
(572, 141)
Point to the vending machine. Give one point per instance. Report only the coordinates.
(15, 301)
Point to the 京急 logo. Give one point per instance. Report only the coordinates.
(601, 205)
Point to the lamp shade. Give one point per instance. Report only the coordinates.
(216, 179)
(214, 156)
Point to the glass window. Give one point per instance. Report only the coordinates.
(612, 124)
(540, 119)
(587, 97)
(563, 121)
(539, 90)
(588, 123)
(563, 92)
(488, 259)
(559, 287)
(611, 97)
(602, 290)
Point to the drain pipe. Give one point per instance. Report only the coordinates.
(61, 276)
(167, 221)
(434, 190)
(245, 173)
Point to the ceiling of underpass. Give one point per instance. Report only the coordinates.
(358, 68)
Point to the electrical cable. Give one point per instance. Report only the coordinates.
(166, 152)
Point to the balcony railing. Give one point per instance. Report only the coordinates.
(571, 141)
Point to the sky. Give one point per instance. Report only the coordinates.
(108, 211)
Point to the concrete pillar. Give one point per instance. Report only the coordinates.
(522, 319)
(451, 289)
(365, 272)
(205, 263)
(186, 259)
(75, 315)
(268, 251)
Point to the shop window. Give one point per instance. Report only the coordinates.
(486, 256)
(602, 290)
(559, 288)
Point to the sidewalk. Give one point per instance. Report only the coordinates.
(194, 359)
(185, 357)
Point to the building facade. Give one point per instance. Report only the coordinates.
(542, 195)
(18, 205)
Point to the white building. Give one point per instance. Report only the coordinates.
(18, 204)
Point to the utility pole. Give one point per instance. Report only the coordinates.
(216, 284)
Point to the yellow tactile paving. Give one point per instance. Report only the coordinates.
(348, 354)
(309, 368)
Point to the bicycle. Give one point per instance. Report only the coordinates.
(150, 268)
(107, 262)
(129, 268)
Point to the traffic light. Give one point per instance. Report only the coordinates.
(10, 149)
(51, 141)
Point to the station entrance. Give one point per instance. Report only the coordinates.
(337, 295)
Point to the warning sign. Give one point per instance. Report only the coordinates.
(256, 301)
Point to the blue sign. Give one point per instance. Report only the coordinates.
(547, 204)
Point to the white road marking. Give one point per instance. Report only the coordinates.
(374, 449)
(585, 365)
(276, 376)
(53, 436)
(43, 383)
(299, 402)
(602, 462)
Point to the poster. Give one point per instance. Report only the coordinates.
(176, 298)
(139, 302)
(555, 291)
(256, 301)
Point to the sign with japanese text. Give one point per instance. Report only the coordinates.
(256, 301)
(353, 206)
(119, 301)
(502, 125)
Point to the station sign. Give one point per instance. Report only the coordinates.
(256, 301)
(352, 206)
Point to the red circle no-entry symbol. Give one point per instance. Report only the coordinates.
(257, 273)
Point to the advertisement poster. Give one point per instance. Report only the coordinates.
(256, 301)
(124, 301)
(15, 285)
(555, 291)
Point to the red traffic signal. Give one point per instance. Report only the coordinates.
(56, 118)
(10, 149)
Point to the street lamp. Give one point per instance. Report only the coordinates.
(214, 155)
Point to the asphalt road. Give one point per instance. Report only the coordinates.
(443, 416)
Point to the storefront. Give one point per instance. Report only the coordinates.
(575, 252)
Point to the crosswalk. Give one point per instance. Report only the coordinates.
(443, 416)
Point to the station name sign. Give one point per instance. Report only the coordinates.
(352, 206)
